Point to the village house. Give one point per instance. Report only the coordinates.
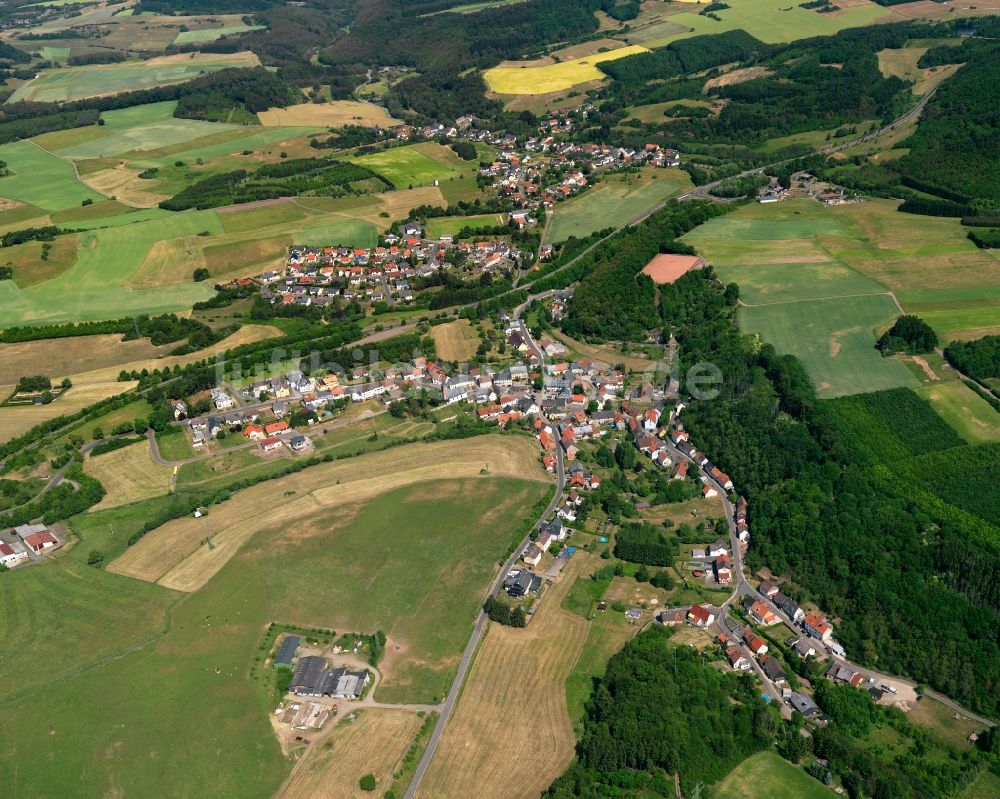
(699, 616)
(818, 627)
(739, 659)
(761, 613)
(11, 557)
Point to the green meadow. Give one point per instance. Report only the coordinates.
(770, 21)
(143, 128)
(94, 287)
(768, 774)
(414, 563)
(407, 166)
(76, 83)
(834, 339)
(339, 232)
(614, 202)
(138, 664)
(450, 225)
(211, 34)
(231, 142)
(41, 178)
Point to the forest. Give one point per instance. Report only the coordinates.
(979, 359)
(614, 301)
(954, 151)
(639, 727)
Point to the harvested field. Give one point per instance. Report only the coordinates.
(174, 556)
(63, 356)
(736, 76)
(248, 334)
(334, 114)
(17, 420)
(511, 725)
(455, 341)
(374, 743)
(128, 475)
(124, 184)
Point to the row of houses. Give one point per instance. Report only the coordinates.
(751, 645)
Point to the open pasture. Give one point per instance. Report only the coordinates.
(455, 341)
(106, 727)
(15, 420)
(95, 287)
(451, 225)
(334, 114)
(536, 78)
(411, 165)
(345, 232)
(41, 179)
(107, 614)
(225, 142)
(77, 83)
(511, 725)
(374, 743)
(834, 339)
(972, 417)
(174, 554)
(614, 202)
(211, 34)
(768, 774)
(770, 21)
(128, 475)
(142, 128)
(64, 356)
(414, 562)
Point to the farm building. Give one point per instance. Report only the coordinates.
(283, 660)
(667, 267)
(314, 677)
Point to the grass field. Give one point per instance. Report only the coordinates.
(19, 419)
(972, 417)
(174, 554)
(334, 114)
(455, 341)
(986, 786)
(339, 232)
(143, 128)
(128, 475)
(450, 225)
(108, 614)
(95, 287)
(511, 726)
(211, 34)
(768, 20)
(76, 83)
(553, 77)
(41, 178)
(614, 201)
(374, 743)
(64, 356)
(140, 714)
(834, 339)
(768, 774)
(408, 166)
(414, 562)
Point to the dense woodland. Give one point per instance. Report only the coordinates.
(979, 359)
(956, 148)
(616, 301)
(640, 728)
